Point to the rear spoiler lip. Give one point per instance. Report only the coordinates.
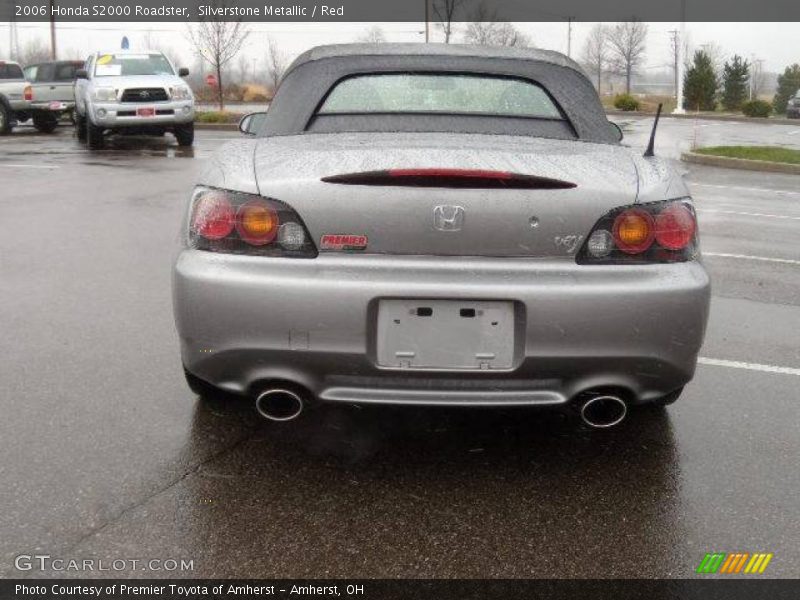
(450, 178)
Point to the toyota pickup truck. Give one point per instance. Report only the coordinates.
(15, 96)
(128, 92)
(53, 91)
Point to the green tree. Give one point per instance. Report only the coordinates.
(700, 83)
(788, 84)
(735, 76)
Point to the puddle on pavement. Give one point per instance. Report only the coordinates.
(118, 150)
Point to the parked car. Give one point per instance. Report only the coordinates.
(53, 91)
(439, 225)
(793, 107)
(15, 96)
(127, 92)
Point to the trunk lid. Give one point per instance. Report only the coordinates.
(543, 219)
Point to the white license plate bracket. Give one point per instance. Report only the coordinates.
(445, 334)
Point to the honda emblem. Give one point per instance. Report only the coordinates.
(448, 218)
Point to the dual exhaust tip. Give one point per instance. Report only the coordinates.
(281, 404)
(603, 411)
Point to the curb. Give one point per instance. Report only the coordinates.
(740, 163)
(217, 126)
(708, 117)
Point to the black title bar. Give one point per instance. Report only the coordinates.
(382, 589)
(400, 10)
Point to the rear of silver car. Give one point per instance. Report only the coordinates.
(419, 291)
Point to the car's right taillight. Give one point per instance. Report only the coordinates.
(28, 93)
(643, 233)
(238, 223)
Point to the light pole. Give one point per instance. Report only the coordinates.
(427, 23)
(53, 52)
(680, 59)
(569, 36)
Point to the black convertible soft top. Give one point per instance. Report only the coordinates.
(314, 73)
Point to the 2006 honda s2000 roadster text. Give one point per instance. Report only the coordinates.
(439, 225)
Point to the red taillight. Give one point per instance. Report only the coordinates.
(634, 231)
(213, 217)
(675, 227)
(232, 222)
(256, 223)
(28, 93)
(653, 232)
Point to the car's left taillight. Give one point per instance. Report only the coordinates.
(28, 93)
(655, 232)
(238, 223)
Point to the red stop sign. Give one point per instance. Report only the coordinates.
(211, 80)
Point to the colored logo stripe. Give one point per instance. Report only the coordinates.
(758, 563)
(711, 562)
(734, 562)
(721, 562)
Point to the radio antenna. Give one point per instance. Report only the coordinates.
(652, 145)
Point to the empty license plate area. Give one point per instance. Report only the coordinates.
(445, 334)
(146, 112)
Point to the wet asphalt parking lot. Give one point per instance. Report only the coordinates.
(106, 454)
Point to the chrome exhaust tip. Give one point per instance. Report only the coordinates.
(279, 404)
(604, 411)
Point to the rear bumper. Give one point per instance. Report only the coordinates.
(242, 320)
(55, 106)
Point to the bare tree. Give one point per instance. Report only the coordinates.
(243, 67)
(276, 65)
(34, 51)
(218, 43)
(151, 41)
(373, 35)
(480, 28)
(627, 44)
(483, 33)
(758, 79)
(596, 53)
(484, 29)
(71, 54)
(444, 11)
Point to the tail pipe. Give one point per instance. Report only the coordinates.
(603, 411)
(279, 404)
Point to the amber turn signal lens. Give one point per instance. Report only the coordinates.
(256, 223)
(634, 231)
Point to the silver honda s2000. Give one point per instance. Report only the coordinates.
(439, 225)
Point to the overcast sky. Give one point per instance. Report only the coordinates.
(778, 44)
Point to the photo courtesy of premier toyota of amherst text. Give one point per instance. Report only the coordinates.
(442, 299)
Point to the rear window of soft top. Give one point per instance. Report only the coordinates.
(440, 93)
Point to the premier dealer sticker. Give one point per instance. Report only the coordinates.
(343, 242)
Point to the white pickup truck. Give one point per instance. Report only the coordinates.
(53, 95)
(15, 96)
(139, 93)
(41, 93)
